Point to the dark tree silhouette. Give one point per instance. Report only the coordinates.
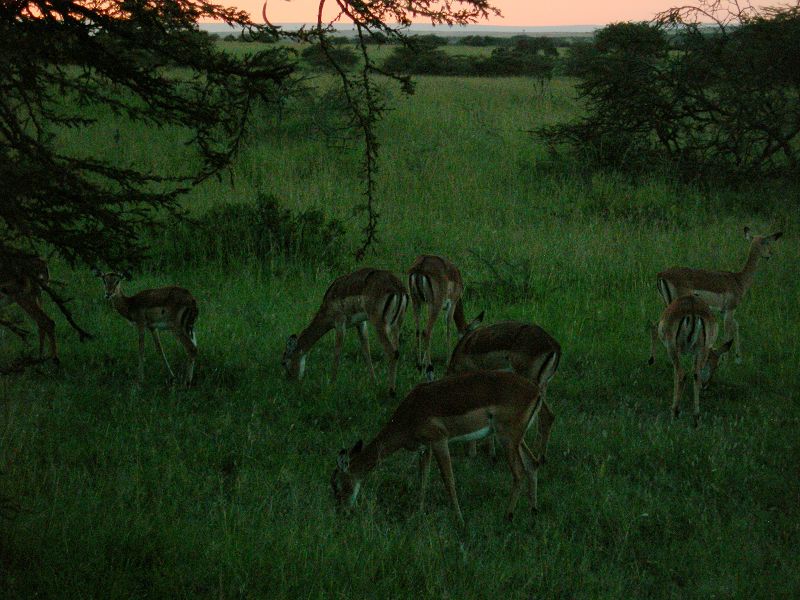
(62, 62)
(708, 90)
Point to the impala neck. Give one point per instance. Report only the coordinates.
(318, 327)
(387, 442)
(121, 303)
(747, 274)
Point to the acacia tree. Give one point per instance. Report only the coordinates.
(708, 89)
(62, 62)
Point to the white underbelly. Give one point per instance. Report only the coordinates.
(160, 325)
(475, 435)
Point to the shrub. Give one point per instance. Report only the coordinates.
(344, 56)
(233, 233)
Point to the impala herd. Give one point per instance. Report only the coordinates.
(496, 380)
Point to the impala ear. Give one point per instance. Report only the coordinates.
(725, 347)
(343, 461)
(291, 343)
(96, 272)
(357, 447)
(776, 236)
(126, 275)
(747, 233)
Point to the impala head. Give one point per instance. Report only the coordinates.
(112, 281)
(762, 242)
(294, 359)
(713, 362)
(345, 485)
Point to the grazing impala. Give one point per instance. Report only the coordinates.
(436, 282)
(527, 350)
(721, 290)
(21, 284)
(687, 326)
(352, 300)
(171, 307)
(460, 408)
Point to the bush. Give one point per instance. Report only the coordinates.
(233, 233)
(344, 56)
(724, 107)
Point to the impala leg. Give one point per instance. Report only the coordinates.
(363, 335)
(546, 419)
(392, 353)
(160, 348)
(442, 452)
(678, 375)
(424, 469)
(531, 465)
(140, 332)
(415, 306)
(731, 327)
(45, 325)
(191, 351)
(517, 472)
(337, 350)
(448, 319)
(699, 360)
(434, 310)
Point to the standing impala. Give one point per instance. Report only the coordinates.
(352, 300)
(687, 326)
(171, 307)
(21, 284)
(721, 290)
(436, 282)
(461, 408)
(527, 350)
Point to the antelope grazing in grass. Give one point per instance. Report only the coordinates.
(171, 308)
(460, 408)
(436, 282)
(527, 350)
(21, 284)
(721, 290)
(366, 295)
(687, 326)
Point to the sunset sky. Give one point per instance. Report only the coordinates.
(515, 12)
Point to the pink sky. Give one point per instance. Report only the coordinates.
(515, 12)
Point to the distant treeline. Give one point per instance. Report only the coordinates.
(380, 39)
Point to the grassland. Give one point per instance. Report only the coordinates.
(154, 491)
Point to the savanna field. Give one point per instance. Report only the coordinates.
(224, 489)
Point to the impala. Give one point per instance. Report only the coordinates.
(172, 308)
(687, 326)
(460, 408)
(21, 284)
(527, 350)
(721, 290)
(436, 282)
(366, 295)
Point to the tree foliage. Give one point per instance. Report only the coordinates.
(61, 60)
(63, 63)
(721, 100)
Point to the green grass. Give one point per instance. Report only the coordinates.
(224, 489)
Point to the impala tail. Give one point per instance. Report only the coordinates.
(420, 287)
(188, 319)
(394, 308)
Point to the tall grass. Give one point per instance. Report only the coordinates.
(128, 490)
